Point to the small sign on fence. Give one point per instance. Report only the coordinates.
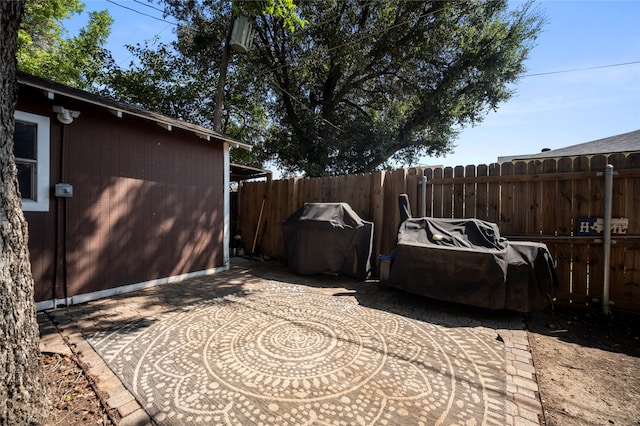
(595, 225)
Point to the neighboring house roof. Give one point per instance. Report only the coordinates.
(119, 108)
(623, 143)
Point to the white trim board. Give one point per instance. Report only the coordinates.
(101, 294)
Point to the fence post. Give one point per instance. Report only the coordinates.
(606, 236)
(423, 194)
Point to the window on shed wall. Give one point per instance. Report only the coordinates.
(31, 149)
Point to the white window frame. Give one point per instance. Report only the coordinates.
(41, 203)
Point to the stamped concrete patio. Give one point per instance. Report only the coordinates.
(259, 345)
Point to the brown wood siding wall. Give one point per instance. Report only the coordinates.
(42, 225)
(147, 203)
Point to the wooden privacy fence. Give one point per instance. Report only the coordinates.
(534, 200)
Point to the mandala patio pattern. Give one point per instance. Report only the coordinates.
(286, 355)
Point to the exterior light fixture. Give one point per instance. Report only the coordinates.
(65, 116)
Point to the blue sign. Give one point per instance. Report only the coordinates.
(595, 225)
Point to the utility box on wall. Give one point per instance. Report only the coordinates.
(64, 190)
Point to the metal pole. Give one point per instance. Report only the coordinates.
(217, 113)
(606, 236)
(423, 206)
(217, 126)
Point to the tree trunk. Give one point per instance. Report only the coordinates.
(22, 397)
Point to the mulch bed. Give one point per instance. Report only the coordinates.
(72, 398)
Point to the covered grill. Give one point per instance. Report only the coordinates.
(466, 261)
(328, 238)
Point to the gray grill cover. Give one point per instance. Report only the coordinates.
(328, 238)
(466, 261)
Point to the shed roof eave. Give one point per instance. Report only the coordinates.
(119, 108)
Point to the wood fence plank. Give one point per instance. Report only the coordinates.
(376, 203)
(398, 186)
(377, 195)
(633, 195)
(564, 200)
(562, 256)
(282, 212)
(262, 221)
(619, 201)
(428, 174)
(521, 202)
(506, 201)
(549, 195)
(563, 215)
(482, 194)
(534, 225)
(312, 193)
(620, 255)
(264, 229)
(287, 192)
(582, 203)
(329, 189)
(292, 196)
(395, 184)
(241, 207)
(341, 188)
(630, 291)
(470, 194)
(413, 190)
(493, 194)
(317, 185)
(314, 190)
(253, 218)
(345, 183)
(595, 199)
(308, 185)
(318, 190)
(458, 194)
(303, 188)
(363, 196)
(250, 218)
(581, 253)
(447, 195)
(631, 284)
(420, 175)
(273, 241)
(345, 189)
(621, 258)
(436, 190)
(303, 191)
(253, 228)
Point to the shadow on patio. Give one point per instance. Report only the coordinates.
(257, 344)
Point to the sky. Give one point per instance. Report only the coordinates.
(582, 81)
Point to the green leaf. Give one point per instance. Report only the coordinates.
(45, 50)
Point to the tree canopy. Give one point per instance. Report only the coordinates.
(370, 81)
(363, 83)
(45, 48)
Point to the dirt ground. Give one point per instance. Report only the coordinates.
(588, 367)
(71, 395)
(588, 370)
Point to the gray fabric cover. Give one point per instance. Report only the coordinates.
(466, 261)
(328, 238)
